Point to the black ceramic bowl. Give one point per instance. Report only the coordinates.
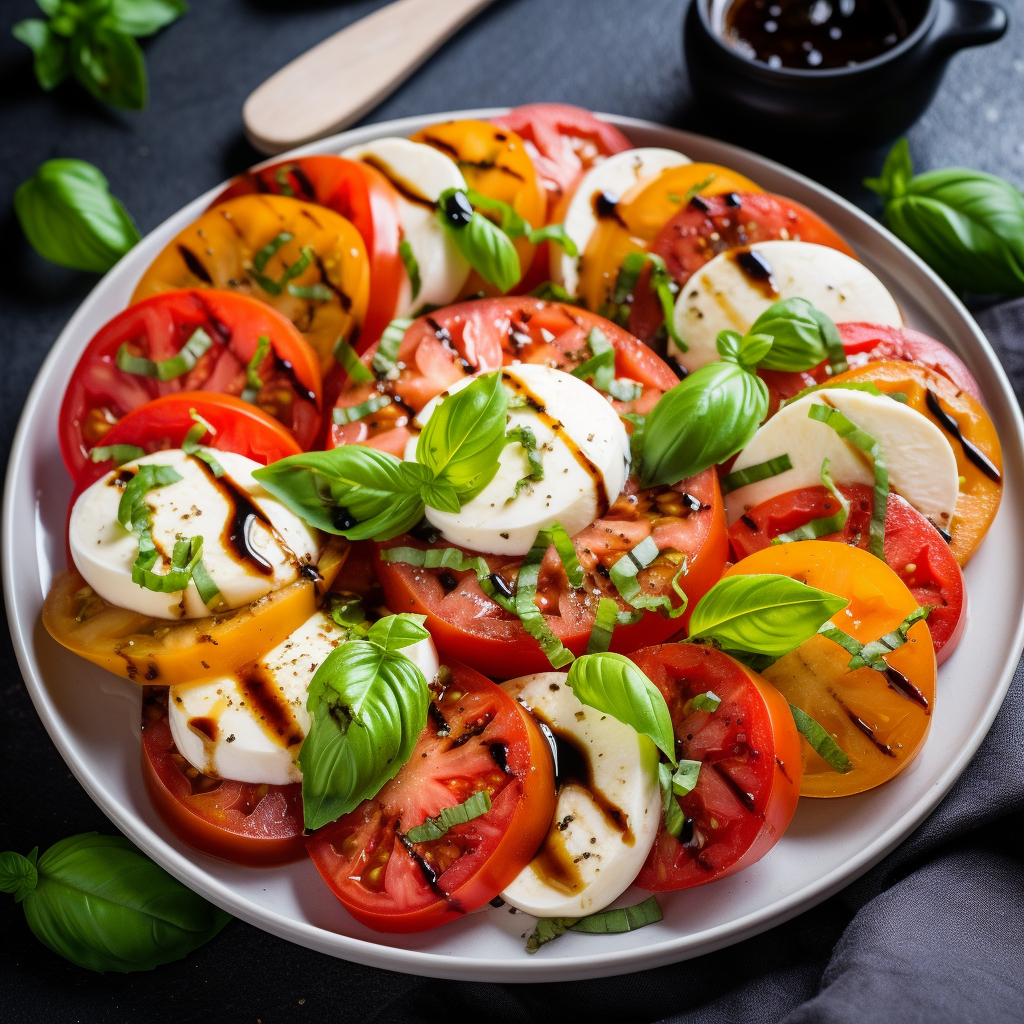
(866, 104)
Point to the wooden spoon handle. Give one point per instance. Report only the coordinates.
(337, 81)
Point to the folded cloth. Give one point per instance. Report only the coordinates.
(932, 934)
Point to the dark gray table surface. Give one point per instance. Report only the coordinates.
(621, 56)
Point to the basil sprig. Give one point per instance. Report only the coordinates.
(363, 494)
(100, 903)
(368, 705)
(485, 247)
(70, 218)
(767, 614)
(802, 337)
(707, 417)
(968, 225)
(95, 41)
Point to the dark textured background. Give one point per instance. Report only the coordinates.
(935, 933)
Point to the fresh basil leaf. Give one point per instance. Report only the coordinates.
(555, 233)
(764, 614)
(702, 421)
(823, 525)
(435, 828)
(613, 684)
(412, 268)
(510, 222)
(485, 247)
(797, 339)
(465, 435)
(368, 706)
(385, 357)
(671, 813)
(111, 66)
(525, 603)
(852, 434)
(69, 216)
(824, 745)
(143, 17)
(608, 616)
(355, 492)
(120, 453)
(349, 361)
(50, 54)
(440, 494)
(753, 474)
(968, 225)
(623, 575)
(347, 610)
(100, 903)
(452, 558)
(396, 632)
(18, 874)
(606, 922)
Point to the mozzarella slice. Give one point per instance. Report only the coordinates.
(613, 177)
(249, 726)
(605, 823)
(919, 460)
(584, 452)
(252, 544)
(420, 174)
(723, 296)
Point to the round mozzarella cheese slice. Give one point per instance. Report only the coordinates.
(250, 726)
(420, 174)
(918, 458)
(584, 452)
(731, 291)
(252, 544)
(608, 806)
(612, 178)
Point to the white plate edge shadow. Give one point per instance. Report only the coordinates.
(538, 968)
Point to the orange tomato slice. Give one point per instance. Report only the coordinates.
(879, 720)
(640, 215)
(305, 260)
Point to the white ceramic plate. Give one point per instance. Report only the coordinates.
(93, 717)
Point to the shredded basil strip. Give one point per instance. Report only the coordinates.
(146, 479)
(386, 356)
(671, 812)
(661, 284)
(555, 233)
(549, 291)
(352, 413)
(607, 922)
(434, 828)
(833, 345)
(624, 576)
(412, 267)
(120, 453)
(527, 440)
(184, 559)
(450, 558)
(848, 385)
(291, 271)
(526, 608)
(684, 778)
(851, 433)
(824, 745)
(350, 362)
(823, 525)
(753, 474)
(636, 440)
(699, 187)
(191, 446)
(253, 380)
(706, 701)
(607, 618)
(260, 260)
(316, 292)
(600, 369)
(208, 590)
(165, 369)
(873, 654)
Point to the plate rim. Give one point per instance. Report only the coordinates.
(445, 965)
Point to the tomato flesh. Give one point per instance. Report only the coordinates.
(241, 822)
(749, 780)
(913, 548)
(476, 738)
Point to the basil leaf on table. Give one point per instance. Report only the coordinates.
(368, 705)
(69, 216)
(485, 247)
(464, 436)
(51, 59)
(100, 903)
(357, 493)
(764, 614)
(143, 17)
(615, 685)
(111, 66)
(968, 225)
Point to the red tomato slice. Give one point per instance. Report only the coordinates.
(868, 343)
(360, 194)
(241, 822)
(99, 393)
(685, 521)
(477, 738)
(709, 225)
(483, 334)
(751, 768)
(564, 142)
(914, 549)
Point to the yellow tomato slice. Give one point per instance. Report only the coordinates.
(495, 163)
(640, 215)
(163, 652)
(981, 489)
(248, 245)
(879, 720)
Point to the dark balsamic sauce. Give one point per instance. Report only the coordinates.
(606, 207)
(949, 423)
(269, 706)
(757, 270)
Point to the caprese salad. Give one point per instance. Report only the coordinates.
(510, 514)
